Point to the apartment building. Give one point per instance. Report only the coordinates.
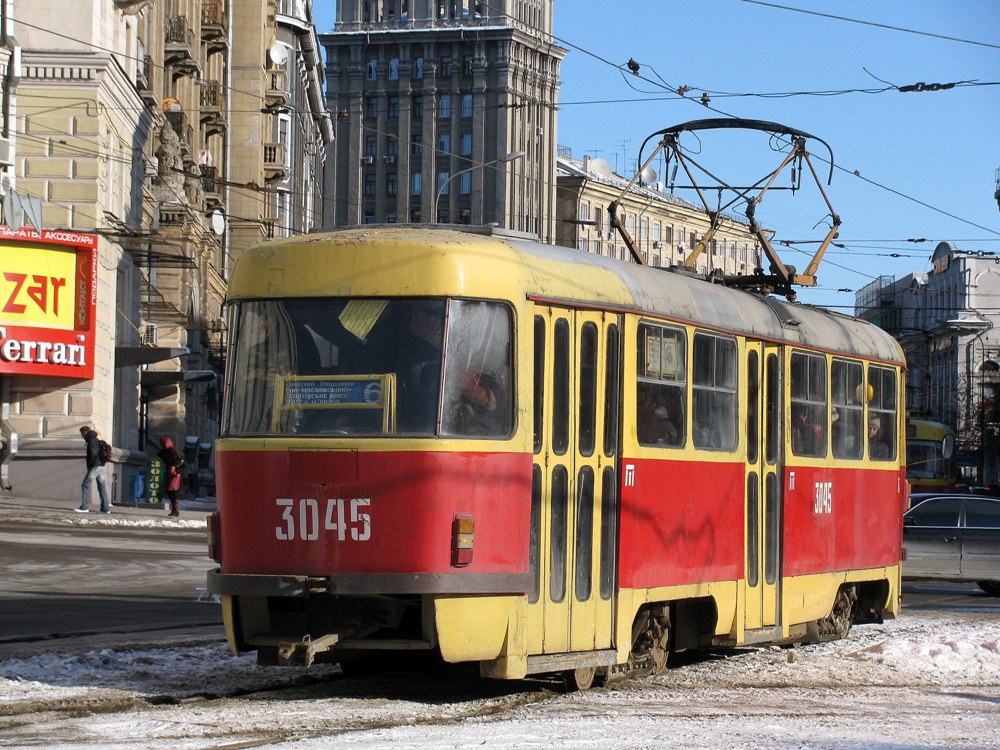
(665, 228)
(444, 113)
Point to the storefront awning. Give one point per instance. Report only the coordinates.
(132, 356)
(155, 378)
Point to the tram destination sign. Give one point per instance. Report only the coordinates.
(320, 391)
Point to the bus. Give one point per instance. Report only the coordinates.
(930, 456)
(431, 443)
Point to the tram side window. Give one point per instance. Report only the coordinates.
(848, 413)
(661, 391)
(808, 404)
(882, 414)
(713, 379)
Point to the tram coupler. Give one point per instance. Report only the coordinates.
(303, 653)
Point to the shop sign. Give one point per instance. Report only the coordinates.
(48, 302)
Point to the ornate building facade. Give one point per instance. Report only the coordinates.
(178, 133)
(445, 112)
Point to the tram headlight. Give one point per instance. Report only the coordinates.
(463, 529)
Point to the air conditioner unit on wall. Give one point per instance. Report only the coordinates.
(148, 335)
(657, 244)
(367, 159)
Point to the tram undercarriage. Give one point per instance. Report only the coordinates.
(318, 627)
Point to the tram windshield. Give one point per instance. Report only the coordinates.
(370, 367)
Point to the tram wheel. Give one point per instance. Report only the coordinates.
(838, 623)
(990, 587)
(579, 679)
(650, 642)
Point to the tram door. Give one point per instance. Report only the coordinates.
(574, 503)
(763, 489)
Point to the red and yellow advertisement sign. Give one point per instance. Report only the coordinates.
(48, 302)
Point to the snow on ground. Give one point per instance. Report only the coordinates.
(919, 682)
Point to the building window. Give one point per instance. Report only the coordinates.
(417, 145)
(391, 183)
(442, 186)
(370, 184)
(444, 144)
(371, 145)
(394, 69)
(372, 69)
(392, 146)
(369, 217)
(371, 108)
(584, 211)
(445, 69)
(418, 108)
(466, 144)
(390, 217)
(467, 65)
(416, 183)
(393, 107)
(444, 106)
(418, 68)
(465, 183)
(467, 105)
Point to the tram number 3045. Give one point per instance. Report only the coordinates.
(824, 498)
(305, 519)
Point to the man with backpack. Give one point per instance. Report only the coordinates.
(96, 458)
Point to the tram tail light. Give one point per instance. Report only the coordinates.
(463, 528)
(212, 526)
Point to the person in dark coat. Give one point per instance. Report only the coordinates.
(95, 472)
(171, 473)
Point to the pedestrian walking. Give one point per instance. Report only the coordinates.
(95, 471)
(172, 473)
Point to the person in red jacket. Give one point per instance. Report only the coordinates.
(172, 474)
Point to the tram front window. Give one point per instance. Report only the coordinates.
(370, 367)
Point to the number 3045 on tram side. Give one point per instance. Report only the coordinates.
(543, 461)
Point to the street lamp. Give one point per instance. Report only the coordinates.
(508, 157)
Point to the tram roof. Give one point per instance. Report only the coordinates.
(455, 259)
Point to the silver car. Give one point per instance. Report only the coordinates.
(954, 538)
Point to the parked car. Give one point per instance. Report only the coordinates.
(954, 538)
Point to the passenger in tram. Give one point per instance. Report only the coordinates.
(482, 408)
(419, 366)
(647, 426)
(807, 436)
(656, 421)
(877, 447)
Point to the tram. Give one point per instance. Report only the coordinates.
(930, 456)
(539, 460)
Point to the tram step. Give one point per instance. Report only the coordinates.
(572, 660)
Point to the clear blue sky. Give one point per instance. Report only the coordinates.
(933, 155)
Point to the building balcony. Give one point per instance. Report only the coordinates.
(275, 161)
(213, 107)
(179, 48)
(214, 26)
(276, 94)
(211, 187)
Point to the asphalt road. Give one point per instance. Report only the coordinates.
(69, 576)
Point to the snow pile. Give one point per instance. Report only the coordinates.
(201, 670)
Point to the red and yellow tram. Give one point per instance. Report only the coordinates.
(543, 460)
